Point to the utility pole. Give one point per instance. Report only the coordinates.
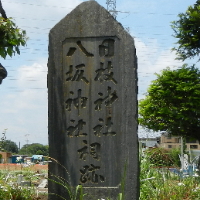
(182, 154)
(26, 142)
(111, 7)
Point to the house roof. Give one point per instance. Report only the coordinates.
(35, 157)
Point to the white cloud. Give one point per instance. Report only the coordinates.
(24, 104)
(39, 10)
(24, 99)
(25, 112)
(38, 17)
(152, 59)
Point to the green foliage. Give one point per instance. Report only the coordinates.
(16, 193)
(172, 103)
(10, 190)
(11, 37)
(34, 149)
(73, 193)
(186, 30)
(174, 153)
(10, 146)
(148, 176)
(160, 157)
(161, 184)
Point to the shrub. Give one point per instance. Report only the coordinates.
(163, 158)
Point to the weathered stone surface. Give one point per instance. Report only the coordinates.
(92, 88)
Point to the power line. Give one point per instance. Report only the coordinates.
(111, 7)
(31, 4)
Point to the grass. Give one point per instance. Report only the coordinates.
(77, 193)
(156, 183)
(9, 188)
(161, 184)
(14, 192)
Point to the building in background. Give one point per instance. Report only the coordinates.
(168, 142)
(148, 142)
(5, 157)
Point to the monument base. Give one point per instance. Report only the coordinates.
(94, 193)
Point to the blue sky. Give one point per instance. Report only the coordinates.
(23, 96)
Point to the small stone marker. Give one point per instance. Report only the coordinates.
(92, 88)
(42, 187)
(25, 183)
(19, 179)
(43, 183)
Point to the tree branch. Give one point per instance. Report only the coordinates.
(2, 11)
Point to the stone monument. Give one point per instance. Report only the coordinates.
(92, 97)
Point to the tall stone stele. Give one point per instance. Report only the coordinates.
(92, 96)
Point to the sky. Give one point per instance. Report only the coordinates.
(23, 94)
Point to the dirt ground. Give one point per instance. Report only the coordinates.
(42, 197)
(36, 167)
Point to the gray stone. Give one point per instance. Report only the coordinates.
(25, 183)
(43, 183)
(92, 88)
(19, 179)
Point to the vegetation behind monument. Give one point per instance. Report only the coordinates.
(11, 37)
(186, 30)
(10, 146)
(172, 103)
(34, 149)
